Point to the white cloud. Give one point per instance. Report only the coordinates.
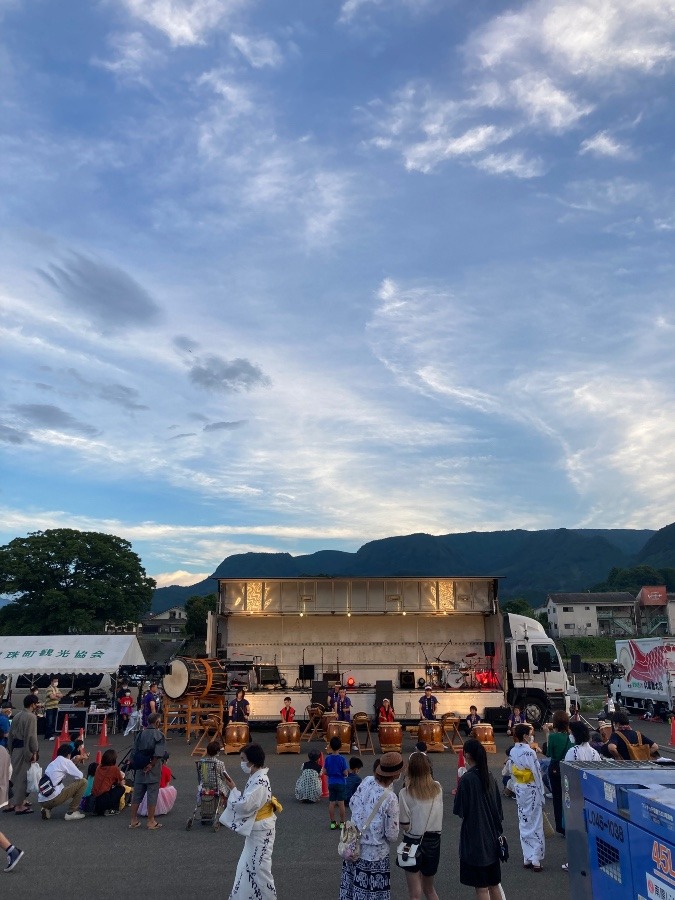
(132, 55)
(180, 577)
(604, 144)
(184, 22)
(352, 8)
(516, 164)
(258, 52)
(545, 104)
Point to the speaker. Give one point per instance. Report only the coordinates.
(306, 673)
(407, 681)
(320, 692)
(332, 677)
(544, 663)
(522, 662)
(267, 674)
(489, 648)
(497, 716)
(575, 663)
(383, 689)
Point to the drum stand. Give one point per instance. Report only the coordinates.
(212, 727)
(449, 724)
(312, 730)
(367, 745)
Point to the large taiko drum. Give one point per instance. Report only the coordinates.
(390, 736)
(485, 734)
(343, 730)
(237, 736)
(431, 733)
(195, 678)
(288, 737)
(327, 717)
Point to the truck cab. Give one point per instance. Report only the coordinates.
(536, 678)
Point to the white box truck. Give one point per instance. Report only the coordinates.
(648, 682)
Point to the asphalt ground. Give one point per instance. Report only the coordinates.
(101, 859)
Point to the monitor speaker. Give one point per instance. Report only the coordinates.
(498, 717)
(320, 692)
(306, 673)
(331, 676)
(489, 648)
(407, 681)
(575, 663)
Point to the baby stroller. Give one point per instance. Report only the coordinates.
(209, 801)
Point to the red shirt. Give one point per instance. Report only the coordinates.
(287, 714)
(386, 715)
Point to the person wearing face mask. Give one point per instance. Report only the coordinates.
(529, 789)
(252, 812)
(368, 877)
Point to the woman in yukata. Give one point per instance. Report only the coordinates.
(529, 788)
(252, 814)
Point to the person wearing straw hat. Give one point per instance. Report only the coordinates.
(368, 877)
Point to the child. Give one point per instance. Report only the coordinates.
(287, 713)
(80, 755)
(353, 779)
(87, 802)
(335, 767)
(308, 785)
(126, 705)
(516, 718)
(472, 719)
(167, 794)
(507, 781)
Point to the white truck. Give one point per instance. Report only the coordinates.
(648, 682)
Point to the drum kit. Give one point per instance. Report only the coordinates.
(454, 676)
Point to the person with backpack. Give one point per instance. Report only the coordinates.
(625, 743)
(146, 760)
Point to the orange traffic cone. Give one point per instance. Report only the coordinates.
(65, 732)
(672, 732)
(461, 768)
(80, 736)
(324, 779)
(98, 758)
(104, 735)
(57, 744)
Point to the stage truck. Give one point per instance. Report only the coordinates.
(648, 682)
(383, 637)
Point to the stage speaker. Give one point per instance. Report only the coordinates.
(489, 648)
(383, 689)
(306, 673)
(498, 717)
(522, 662)
(332, 677)
(407, 681)
(320, 693)
(575, 663)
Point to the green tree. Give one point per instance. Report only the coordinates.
(519, 607)
(633, 579)
(62, 581)
(196, 611)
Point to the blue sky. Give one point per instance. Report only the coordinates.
(289, 276)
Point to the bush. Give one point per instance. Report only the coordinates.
(602, 649)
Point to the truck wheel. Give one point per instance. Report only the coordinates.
(535, 711)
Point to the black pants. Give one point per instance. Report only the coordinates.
(109, 800)
(556, 790)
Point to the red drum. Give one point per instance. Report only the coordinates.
(432, 734)
(237, 736)
(390, 735)
(485, 734)
(288, 737)
(328, 717)
(343, 730)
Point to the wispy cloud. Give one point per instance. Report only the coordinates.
(259, 52)
(604, 144)
(217, 374)
(184, 22)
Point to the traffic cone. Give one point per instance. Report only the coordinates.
(57, 744)
(324, 779)
(80, 736)
(65, 732)
(104, 735)
(672, 732)
(98, 758)
(461, 768)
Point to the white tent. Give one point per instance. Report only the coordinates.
(76, 654)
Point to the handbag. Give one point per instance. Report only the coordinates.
(349, 845)
(33, 778)
(409, 851)
(503, 848)
(502, 843)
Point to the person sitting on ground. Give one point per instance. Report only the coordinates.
(624, 741)
(308, 785)
(54, 793)
(335, 767)
(472, 719)
(353, 779)
(166, 797)
(87, 802)
(517, 717)
(108, 787)
(79, 755)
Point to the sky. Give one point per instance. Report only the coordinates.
(289, 276)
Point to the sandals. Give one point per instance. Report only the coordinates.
(155, 826)
(527, 865)
(135, 825)
(23, 812)
(537, 868)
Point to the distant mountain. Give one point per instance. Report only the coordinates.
(532, 563)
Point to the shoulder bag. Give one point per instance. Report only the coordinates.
(409, 850)
(349, 845)
(502, 843)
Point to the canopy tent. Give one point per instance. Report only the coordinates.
(76, 654)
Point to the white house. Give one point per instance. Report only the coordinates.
(170, 621)
(609, 614)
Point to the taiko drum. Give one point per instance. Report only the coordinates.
(390, 736)
(288, 737)
(343, 730)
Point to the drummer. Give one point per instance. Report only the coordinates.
(428, 704)
(239, 707)
(333, 695)
(386, 712)
(287, 712)
(343, 706)
(472, 719)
